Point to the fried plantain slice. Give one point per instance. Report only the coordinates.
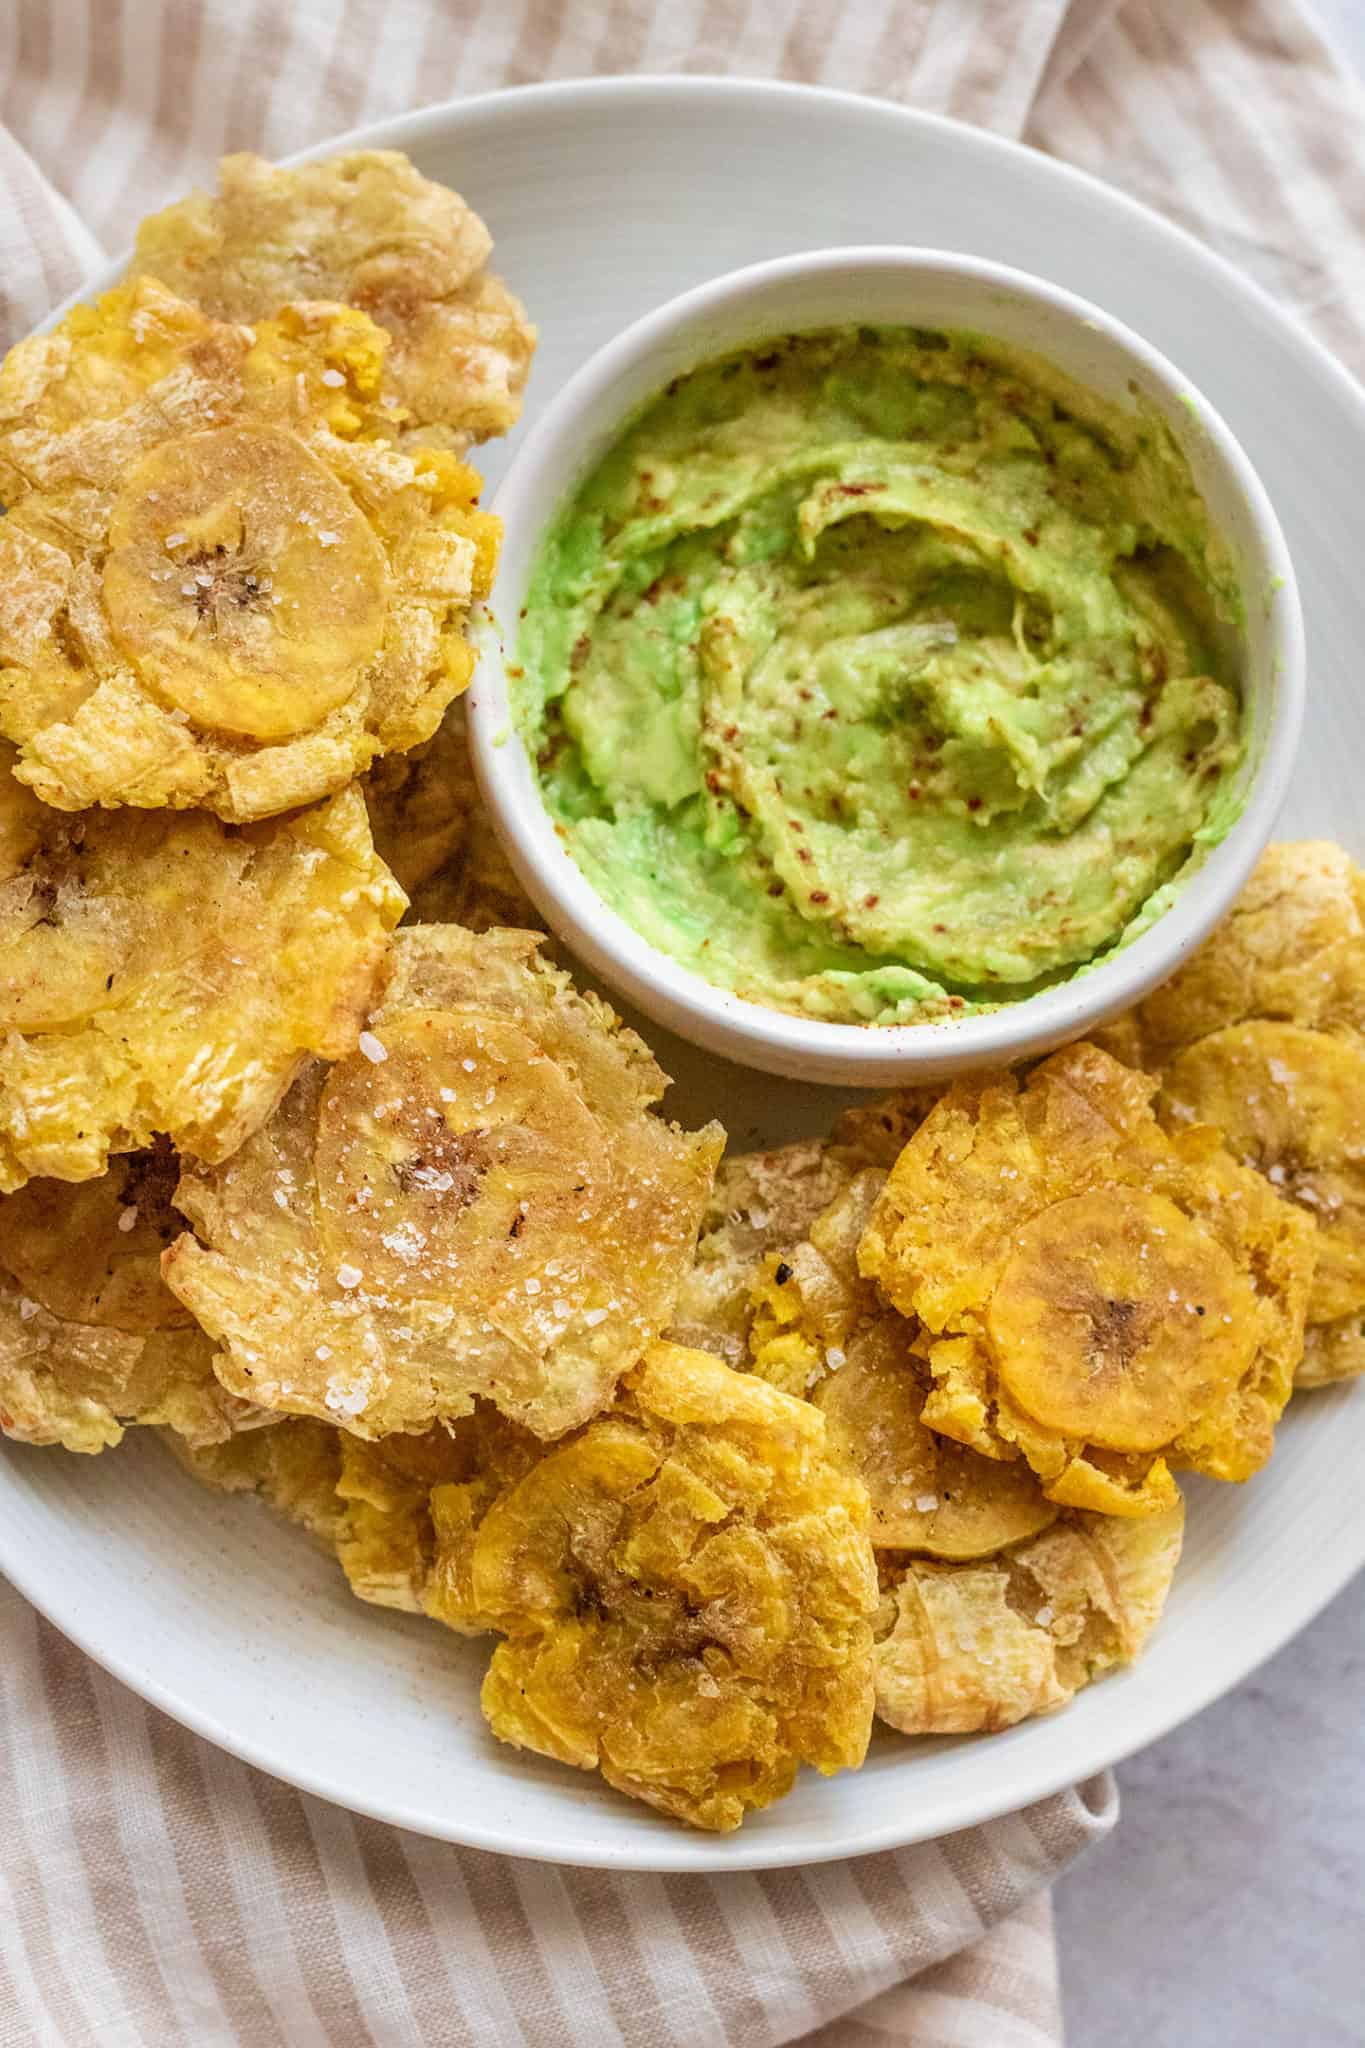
(820, 1329)
(366, 229)
(221, 583)
(1097, 1296)
(767, 1203)
(293, 1466)
(1331, 1352)
(686, 1590)
(431, 825)
(478, 1202)
(90, 1339)
(970, 1648)
(422, 807)
(1285, 952)
(166, 973)
(762, 1203)
(1291, 1103)
(386, 1537)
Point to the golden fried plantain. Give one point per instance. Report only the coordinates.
(478, 1202)
(431, 825)
(762, 1202)
(166, 973)
(366, 229)
(967, 1648)
(1331, 1352)
(765, 1203)
(90, 1339)
(1285, 951)
(293, 1466)
(386, 1537)
(1291, 1103)
(820, 1329)
(686, 1590)
(221, 583)
(422, 807)
(1097, 1296)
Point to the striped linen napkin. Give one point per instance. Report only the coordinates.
(153, 1891)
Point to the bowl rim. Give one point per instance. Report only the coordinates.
(784, 1042)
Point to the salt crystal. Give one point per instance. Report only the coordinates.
(926, 1503)
(834, 1357)
(127, 1219)
(348, 1276)
(373, 1050)
(468, 1066)
(594, 1317)
(334, 378)
(760, 1218)
(1044, 1617)
(533, 1287)
(326, 538)
(324, 1351)
(27, 1309)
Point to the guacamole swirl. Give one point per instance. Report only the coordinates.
(880, 675)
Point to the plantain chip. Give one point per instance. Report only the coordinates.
(818, 1328)
(1285, 951)
(167, 973)
(766, 1203)
(294, 1467)
(387, 1535)
(1331, 1352)
(970, 1648)
(221, 583)
(90, 1339)
(1098, 1297)
(1290, 1102)
(367, 229)
(422, 808)
(478, 1202)
(686, 1590)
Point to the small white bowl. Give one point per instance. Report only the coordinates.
(883, 287)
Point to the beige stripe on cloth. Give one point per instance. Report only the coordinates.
(154, 1892)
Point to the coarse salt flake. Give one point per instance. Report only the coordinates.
(348, 1276)
(127, 1219)
(373, 1048)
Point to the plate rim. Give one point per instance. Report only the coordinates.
(671, 1849)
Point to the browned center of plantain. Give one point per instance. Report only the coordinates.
(462, 1136)
(225, 581)
(90, 1251)
(1118, 1318)
(450, 1164)
(1118, 1330)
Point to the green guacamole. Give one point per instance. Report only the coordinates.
(880, 675)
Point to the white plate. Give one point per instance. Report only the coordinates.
(606, 198)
